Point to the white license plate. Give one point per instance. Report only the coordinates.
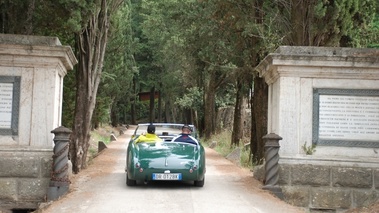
(167, 176)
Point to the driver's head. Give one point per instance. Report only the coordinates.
(186, 129)
(151, 129)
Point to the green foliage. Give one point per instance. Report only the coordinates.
(102, 112)
(192, 99)
(246, 159)
(223, 142)
(143, 111)
(373, 35)
(223, 147)
(45, 17)
(119, 69)
(178, 46)
(189, 50)
(309, 150)
(159, 55)
(181, 43)
(97, 136)
(354, 22)
(100, 134)
(226, 96)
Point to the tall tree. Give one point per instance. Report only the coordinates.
(162, 48)
(115, 89)
(209, 43)
(91, 41)
(238, 22)
(260, 38)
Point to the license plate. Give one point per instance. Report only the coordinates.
(167, 176)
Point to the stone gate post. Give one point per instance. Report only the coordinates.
(59, 182)
(271, 164)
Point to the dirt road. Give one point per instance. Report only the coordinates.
(228, 188)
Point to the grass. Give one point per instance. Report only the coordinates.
(97, 136)
(224, 147)
(100, 134)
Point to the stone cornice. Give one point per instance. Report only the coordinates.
(14, 54)
(320, 62)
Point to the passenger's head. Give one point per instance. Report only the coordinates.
(186, 129)
(151, 129)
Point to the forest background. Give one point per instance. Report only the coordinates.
(191, 57)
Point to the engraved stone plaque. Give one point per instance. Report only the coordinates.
(346, 117)
(6, 91)
(9, 104)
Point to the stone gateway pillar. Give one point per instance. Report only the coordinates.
(324, 104)
(31, 87)
(271, 164)
(59, 183)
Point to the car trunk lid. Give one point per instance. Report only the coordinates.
(167, 155)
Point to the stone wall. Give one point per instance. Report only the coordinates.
(329, 187)
(24, 178)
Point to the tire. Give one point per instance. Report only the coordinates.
(199, 183)
(130, 182)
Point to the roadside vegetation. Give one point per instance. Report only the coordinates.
(102, 133)
(223, 147)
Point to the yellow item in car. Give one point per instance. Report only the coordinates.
(148, 138)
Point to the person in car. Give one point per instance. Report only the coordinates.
(150, 136)
(185, 136)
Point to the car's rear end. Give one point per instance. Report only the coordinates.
(174, 161)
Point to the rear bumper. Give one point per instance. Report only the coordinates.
(147, 175)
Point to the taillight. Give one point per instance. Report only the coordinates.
(193, 169)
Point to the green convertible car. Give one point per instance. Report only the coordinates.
(171, 157)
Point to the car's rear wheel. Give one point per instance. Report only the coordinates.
(130, 182)
(199, 183)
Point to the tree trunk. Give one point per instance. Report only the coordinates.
(152, 103)
(115, 119)
(29, 18)
(297, 20)
(159, 106)
(253, 131)
(209, 106)
(259, 115)
(187, 116)
(133, 103)
(167, 116)
(237, 121)
(91, 46)
(259, 99)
